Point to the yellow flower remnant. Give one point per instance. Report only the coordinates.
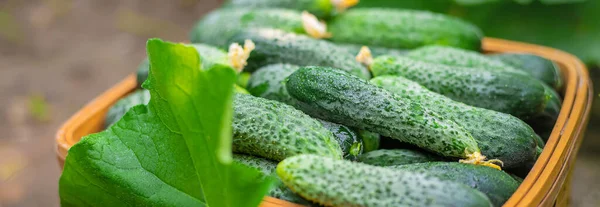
(364, 56)
(238, 55)
(342, 5)
(314, 27)
(477, 158)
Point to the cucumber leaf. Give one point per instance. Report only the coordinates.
(175, 151)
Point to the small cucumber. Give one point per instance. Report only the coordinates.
(268, 168)
(267, 82)
(217, 27)
(350, 143)
(510, 93)
(498, 135)
(276, 46)
(390, 157)
(396, 28)
(339, 97)
(274, 130)
(209, 56)
(538, 67)
(140, 96)
(496, 184)
(331, 182)
(321, 8)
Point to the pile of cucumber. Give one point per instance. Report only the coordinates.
(428, 121)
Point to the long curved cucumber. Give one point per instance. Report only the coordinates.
(344, 183)
(498, 135)
(397, 28)
(339, 97)
(510, 93)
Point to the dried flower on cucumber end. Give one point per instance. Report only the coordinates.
(238, 55)
(365, 57)
(477, 158)
(313, 27)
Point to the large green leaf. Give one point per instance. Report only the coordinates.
(176, 151)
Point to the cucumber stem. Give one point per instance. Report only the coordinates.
(313, 27)
(342, 5)
(238, 55)
(477, 158)
(365, 57)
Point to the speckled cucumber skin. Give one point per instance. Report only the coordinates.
(339, 97)
(320, 8)
(543, 122)
(498, 135)
(274, 130)
(344, 183)
(350, 143)
(460, 57)
(391, 157)
(276, 46)
(496, 184)
(538, 67)
(396, 28)
(267, 82)
(116, 111)
(500, 91)
(375, 50)
(209, 56)
(268, 168)
(218, 26)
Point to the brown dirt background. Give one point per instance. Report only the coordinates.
(66, 52)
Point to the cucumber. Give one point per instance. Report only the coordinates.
(498, 135)
(276, 46)
(496, 184)
(350, 143)
(274, 130)
(339, 97)
(375, 51)
(543, 122)
(320, 8)
(396, 28)
(371, 140)
(509, 93)
(209, 56)
(538, 67)
(118, 110)
(390, 157)
(267, 81)
(331, 182)
(217, 27)
(268, 168)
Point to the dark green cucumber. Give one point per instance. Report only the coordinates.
(274, 130)
(118, 110)
(538, 67)
(395, 28)
(390, 157)
(275, 46)
(375, 51)
(496, 184)
(371, 140)
(268, 168)
(209, 56)
(332, 182)
(498, 135)
(267, 82)
(500, 91)
(339, 97)
(320, 8)
(348, 139)
(543, 122)
(217, 27)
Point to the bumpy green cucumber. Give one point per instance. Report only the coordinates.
(274, 130)
(500, 91)
(496, 184)
(347, 138)
(219, 25)
(498, 135)
(375, 51)
(140, 96)
(267, 82)
(209, 56)
(275, 46)
(390, 157)
(371, 140)
(395, 28)
(538, 67)
(339, 97)
(543, 122)
(344, 183)
(268, 168)
(321, 8)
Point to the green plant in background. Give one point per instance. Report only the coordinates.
(175, 151)
(570, 25)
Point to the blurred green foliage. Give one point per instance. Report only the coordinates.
(570, 25)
